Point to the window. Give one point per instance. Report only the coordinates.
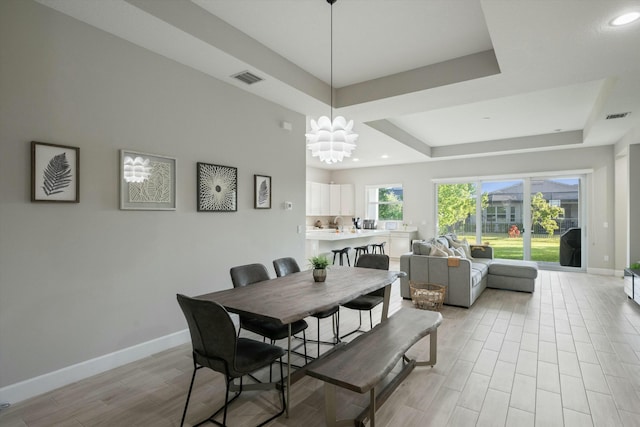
(521, 218)
(384, 203)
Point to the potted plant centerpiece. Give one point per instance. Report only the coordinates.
(319, 264)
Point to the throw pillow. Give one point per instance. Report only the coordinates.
(464, 244)
(451, 238)
(436, 251)
(421, 248)
(460, 252)
(445, 249)
(443, 241)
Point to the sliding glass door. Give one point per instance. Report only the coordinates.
(457, 210)
(527, 218)
(503, 219)
(555, 209)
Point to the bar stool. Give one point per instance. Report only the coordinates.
(377, 248)
(359, 251)
(343, 251)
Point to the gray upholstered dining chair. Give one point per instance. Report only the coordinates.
(369, 301)
(216, 346)
(285, 266)
(245, 275)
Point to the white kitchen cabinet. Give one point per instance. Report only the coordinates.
(400, 242)
(308, 199)
(346, 200)
(325, 200)
(316, 198)
(329, 199)
(335, 196)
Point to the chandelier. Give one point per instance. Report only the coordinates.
(331, 139)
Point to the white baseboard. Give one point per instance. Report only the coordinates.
(17, 392)
(601, 271)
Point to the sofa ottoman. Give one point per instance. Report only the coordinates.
(514, 275)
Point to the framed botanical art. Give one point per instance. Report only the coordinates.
(262, 192)
(217, 188)
(55, 173)
(147, 181)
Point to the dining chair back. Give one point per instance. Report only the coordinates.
(369, 301)
(250, 274)
(285, 266)
(377, 261)
(216, 346)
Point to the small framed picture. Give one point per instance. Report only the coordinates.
(55, 173)
(217, 188)
(262, 192)
(147, 181)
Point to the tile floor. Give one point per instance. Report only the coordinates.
(568, 354)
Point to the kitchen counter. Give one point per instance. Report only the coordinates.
(332, 235)
(321, 242)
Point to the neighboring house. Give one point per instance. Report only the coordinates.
(505, 206)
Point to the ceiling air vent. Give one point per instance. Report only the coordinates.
(617, 115)
(247, 77)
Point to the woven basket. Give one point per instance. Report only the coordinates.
(427, 296)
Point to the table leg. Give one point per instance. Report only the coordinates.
(385, 302)
(330, 404)
(372, 407)
(288, 371)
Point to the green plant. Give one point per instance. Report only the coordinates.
(319, 262)
(635, 266)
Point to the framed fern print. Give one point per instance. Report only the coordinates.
(262, 191)
(55, 173)
(147, 181)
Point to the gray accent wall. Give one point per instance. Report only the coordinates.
(78, 281)
(634, 203)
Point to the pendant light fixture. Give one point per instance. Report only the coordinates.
(331, 139)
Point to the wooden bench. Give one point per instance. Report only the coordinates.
(363, 363)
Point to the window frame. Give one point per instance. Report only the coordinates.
(369, 204)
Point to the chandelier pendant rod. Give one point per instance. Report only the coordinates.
(331, 141)
(331, 60)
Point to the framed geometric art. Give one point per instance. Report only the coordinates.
(55, 173)
(262, 192)
(217, 188)
(147, 181)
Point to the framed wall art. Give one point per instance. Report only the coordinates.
(147, 181)
(262, 192)
(55, 173)
(217, 188)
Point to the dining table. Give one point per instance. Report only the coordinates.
(297, 296)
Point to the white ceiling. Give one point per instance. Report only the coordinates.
(423, 79)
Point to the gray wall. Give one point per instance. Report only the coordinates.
(78, 281)
(420, 199)
(622, 211)
(634, 203)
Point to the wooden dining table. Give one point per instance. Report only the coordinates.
(296, 296)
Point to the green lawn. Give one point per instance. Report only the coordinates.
(542, 248)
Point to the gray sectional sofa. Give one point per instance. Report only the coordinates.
(465, 278)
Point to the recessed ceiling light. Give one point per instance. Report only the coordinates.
(384, 156)
(625, 19)
(355, 160)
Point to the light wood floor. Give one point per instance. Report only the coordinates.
(568, 354)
